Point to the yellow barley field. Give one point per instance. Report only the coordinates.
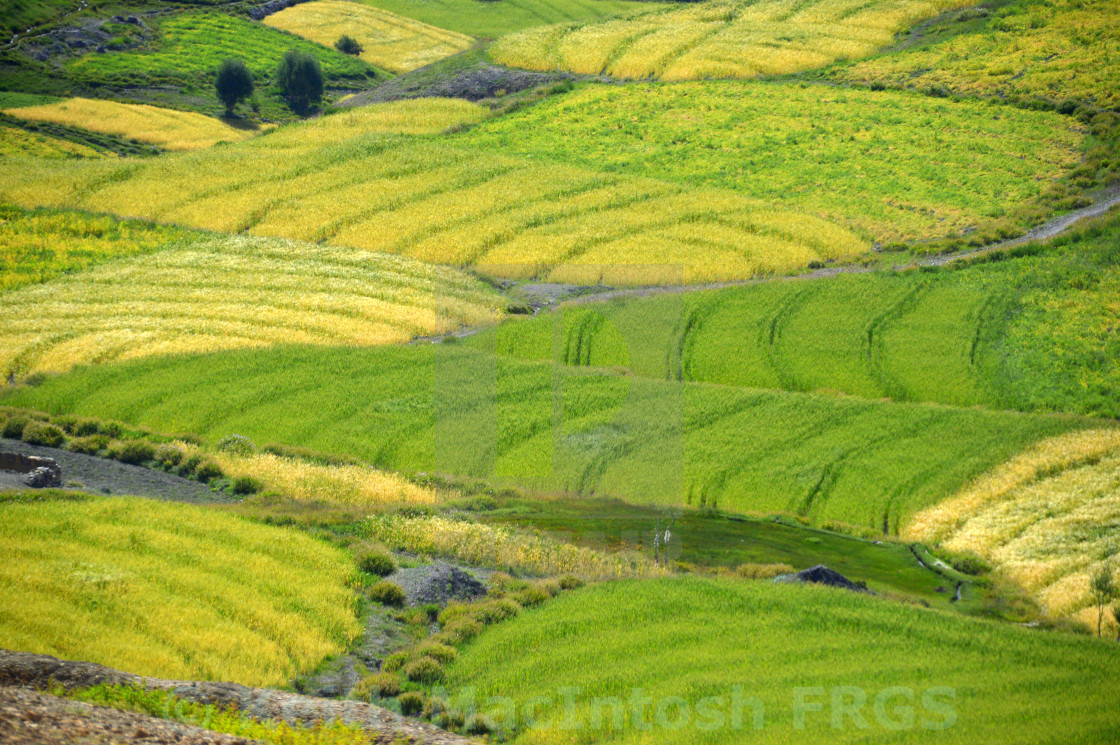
(350, 180)
(388, 40)
(167, 128)
(17, 142)
(1045, 519)
(171, 590)
(718, 39)
(208, 294)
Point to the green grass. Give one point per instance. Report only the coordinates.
(895, 165)
(1033, 332)
(9, 100)
(694, 639)
(38, 245)
(192, 45)
(448, 409)
(19, 15)
(492, 18)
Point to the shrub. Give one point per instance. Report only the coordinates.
(41, 433)
(531, 596)
(13, 428)
(348, 45)
(387, 593)
(439, 652)
(476, 725)
(247, 485)
(463, 629)
(168, 455)
(66, 422)
(376, 561)
(412, 703)
(423, 670)
(236, 445)
(378, 685)
(189, 464)
(86, 427)
(132, 451)
(494, 611)
(452, 612)
(207, 470)
(570, 582)
(89, 445)
(299, 79)
(233, 84)
(113, 429)
(395, 662)
(969, 563)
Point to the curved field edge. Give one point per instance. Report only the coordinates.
(664, 656)
(171, 590)
(446, 409)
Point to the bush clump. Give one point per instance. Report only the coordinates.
(13, 428)
(132, 451)
(41, 433)
(91, 445)
(236, 445)
(247, 485)
(970, 564)
(570, 582)
(530, 596)
(168, 455)
(348, 45)
(207, 471)
(495, 611)
(441, 653)
(378, 685)
(377, 562)
(86, 428)
(387, 593)
(423, 670)
(412, 703)
(463, 629)
(395, 662)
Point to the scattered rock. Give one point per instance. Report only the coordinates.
(437, 583)
(40, 472)
(822, 575)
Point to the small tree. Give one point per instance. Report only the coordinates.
(234, 83)
(348, 45)
(1116, 617)
(1103, 590)
(300, 80)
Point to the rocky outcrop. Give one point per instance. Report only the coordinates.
(822, 575)
(41, 472)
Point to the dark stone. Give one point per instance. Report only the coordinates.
(822, 575)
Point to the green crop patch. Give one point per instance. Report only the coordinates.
(703, 661)
(894, 165)
(450, 409)
(492, 18)
(1034, 333)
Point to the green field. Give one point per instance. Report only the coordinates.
(896, 166)
(448, 409)
(170, 590)
(19, 15)
(1057, 51)
(192, 45)
(497, 17)
(679, 641)
(1035, 332)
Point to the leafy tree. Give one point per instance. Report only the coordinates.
(1102, 589)
(348, 45)
(1116, 617)
(300, 80)
(234, 83)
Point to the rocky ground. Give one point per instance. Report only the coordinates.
(105, 476)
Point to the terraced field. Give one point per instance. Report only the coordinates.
(40, 245)
(167, 128)
(660, 658)
(448, 409)
(336, 180)
(893, 165)
(170, 590)
(194, 44)
(492, 19)
(18, 142)
(389, 41)
(222, 293)
(1033, 333)
(1065, 50)
(718, 39)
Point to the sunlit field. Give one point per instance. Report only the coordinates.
(492, 19)
(17, 142)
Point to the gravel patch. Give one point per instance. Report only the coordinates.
(437, 583)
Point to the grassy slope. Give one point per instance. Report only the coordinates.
(458, 411)
(170, 590)
(951, 164)
(1033, 332)
(698, 638)
(496, 17)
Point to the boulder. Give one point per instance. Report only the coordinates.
(821, 575)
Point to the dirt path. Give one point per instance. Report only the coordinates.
(106, 476)
(20, 669)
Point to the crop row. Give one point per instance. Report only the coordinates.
(491, 20)
(223, 293)
(718, 39)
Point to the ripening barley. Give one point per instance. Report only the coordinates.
(18, 142)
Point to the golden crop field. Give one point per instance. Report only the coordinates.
(171, 590)
(223, 293)
(17, 142)
(341, 181)
(718, 39)
(388, 40)
(1041, 518)
(167, 128)
(1060, 50)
